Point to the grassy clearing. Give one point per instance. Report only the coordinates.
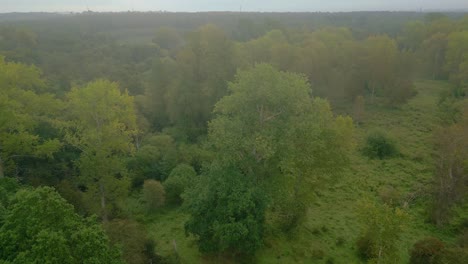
(329, 233)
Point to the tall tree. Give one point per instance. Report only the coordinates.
(204, 65)
(457, 58)
(451, 184)
(100, 123)
(24, 107)
(271, 129)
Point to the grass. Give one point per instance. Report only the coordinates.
(330, 231)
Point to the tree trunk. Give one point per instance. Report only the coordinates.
(103, 204)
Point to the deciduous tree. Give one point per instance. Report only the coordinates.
(101, 123)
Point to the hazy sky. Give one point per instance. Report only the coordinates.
(228, 5)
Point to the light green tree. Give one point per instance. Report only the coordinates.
(24, 106)
(101, 123)
(457, 57)
(383, 228)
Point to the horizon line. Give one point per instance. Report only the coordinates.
(451, 10)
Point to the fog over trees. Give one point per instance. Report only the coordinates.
(233, 137)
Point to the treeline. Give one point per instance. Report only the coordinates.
(236, 131)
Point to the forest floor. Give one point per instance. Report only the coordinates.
(332, 226)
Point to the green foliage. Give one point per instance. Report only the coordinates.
(153, 195)
(457, 57)
(273, 131)
(167, 38)
(364, 247)
(383, 230)
(454, 255)
(451, 169)
(268, 130)
(131, 236)
(101, 122)
(40, 226)
(155, 159)
(390, 195)
(227, 212)
(22, 111)
(204, 65)
(427, 251)
(181, 179)
(379, 146)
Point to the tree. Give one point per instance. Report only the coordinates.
(40, 226)
(24, 107)
(380, 61)
(414, 33)
(457, 57)
(451, 184)
(383, 230)
(132, 237)
(271, 129)
(101, 123)
(204, 66)
(227, 212)
(167, 38)
(163, 76)
(427, 251)
(359, 109)
(154, 159)
(153, 195)
(432, 54)
(181, 179)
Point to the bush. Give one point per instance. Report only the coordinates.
(364, 247)
(390, 195)
(378, 145)
(179, 180)
(427, 250)
(154, 160)
(463, 239)
(153, 195)
(454, 255)
(131, 236)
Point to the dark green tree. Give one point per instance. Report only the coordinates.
(41, 227)
(227, 212)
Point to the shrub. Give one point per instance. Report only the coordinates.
(454, 255)
(364, 247)
(179, 180)
(153, 195)
(340, 241)
(463, 238)
(379, 145)
(390, 195)
(318, 253)
(427, 250)
(131, 236)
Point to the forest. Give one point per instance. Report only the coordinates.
(234, 137)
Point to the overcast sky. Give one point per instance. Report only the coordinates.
(228, 5)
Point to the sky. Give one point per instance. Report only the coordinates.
(230, 5)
